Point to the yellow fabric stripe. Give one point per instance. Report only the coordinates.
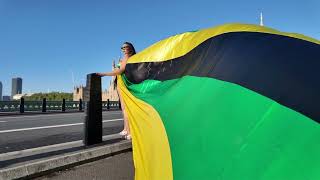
(179, 45)
(151, 151)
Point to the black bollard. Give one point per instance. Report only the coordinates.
(120, 104)
(93, 119)
(44, 105)
(80, 104)
(108, 104)
(22, 105)
(63, 108)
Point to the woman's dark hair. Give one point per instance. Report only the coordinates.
(133, 51)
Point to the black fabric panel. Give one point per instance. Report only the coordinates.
(279, 67)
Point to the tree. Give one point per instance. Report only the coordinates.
(53, 96)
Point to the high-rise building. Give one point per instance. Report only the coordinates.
(0, 91)
(16, 86)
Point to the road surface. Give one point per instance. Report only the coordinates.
(25, 132)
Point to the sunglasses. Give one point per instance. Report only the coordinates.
(124, 47)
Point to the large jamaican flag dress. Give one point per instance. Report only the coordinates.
(233, 102)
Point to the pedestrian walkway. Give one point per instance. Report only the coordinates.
(117, 167)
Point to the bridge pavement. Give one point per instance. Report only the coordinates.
(117, 167)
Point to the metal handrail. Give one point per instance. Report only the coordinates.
(35, 106)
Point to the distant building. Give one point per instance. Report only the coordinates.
(79, 93)
(0, 91)
(19, 96)
(16, 86)
(6, 98)
(261, 19)
(110, 93)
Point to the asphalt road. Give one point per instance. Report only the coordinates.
(25, 132)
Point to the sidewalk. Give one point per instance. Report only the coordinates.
(112, 158)
(117, 167)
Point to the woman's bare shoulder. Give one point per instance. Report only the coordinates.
(125, 58)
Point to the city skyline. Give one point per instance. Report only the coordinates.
(29, 92)
(53, 45)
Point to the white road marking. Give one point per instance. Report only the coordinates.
(3, 121)
(55, 126)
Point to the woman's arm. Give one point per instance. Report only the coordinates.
(116, 71)
(113, 73)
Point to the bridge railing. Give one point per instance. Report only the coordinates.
(9, 106)
(54, 106)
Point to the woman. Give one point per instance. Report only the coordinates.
(127, 50)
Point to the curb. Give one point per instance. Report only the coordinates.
(51, 149)
(60, 162)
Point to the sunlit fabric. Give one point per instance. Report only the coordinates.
(235, 101)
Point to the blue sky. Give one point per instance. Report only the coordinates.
(46, 41)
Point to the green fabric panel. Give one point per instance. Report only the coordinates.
(219, 130)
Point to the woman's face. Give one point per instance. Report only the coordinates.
(125, 49)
